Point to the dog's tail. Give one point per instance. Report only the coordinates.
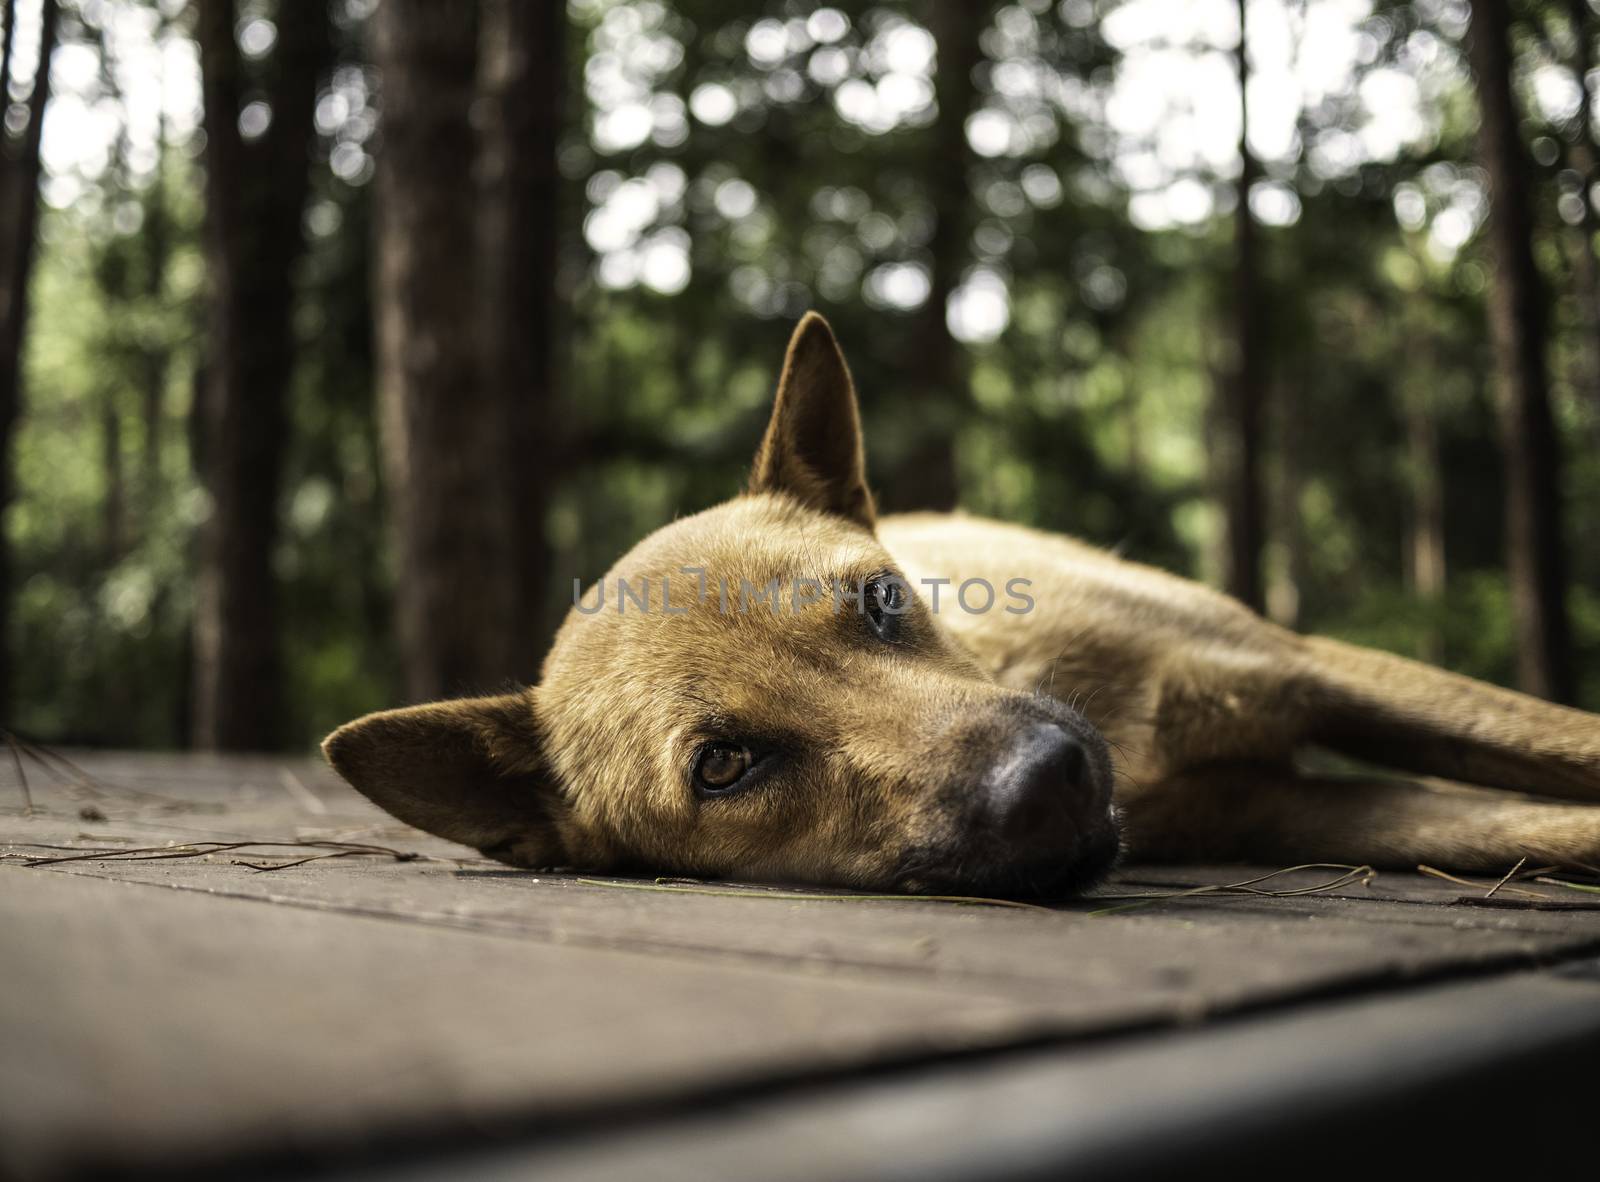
(1410, 716)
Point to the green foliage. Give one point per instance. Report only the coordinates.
(1088, 413)
(105, 502)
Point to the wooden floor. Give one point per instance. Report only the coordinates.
(213, 1007)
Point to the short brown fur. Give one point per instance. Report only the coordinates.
(877, 747)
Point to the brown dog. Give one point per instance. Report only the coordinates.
(786, 687)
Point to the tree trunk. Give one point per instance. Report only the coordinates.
(1581, 157)
(114, 499)
(255, 201)
(936, 367)
(8, 41)
(1286, 594)
(446, 453)
(19, 213)
(522, 89)
(1425, 552)
(1517, 325)
(154, 355)
(1244, 400)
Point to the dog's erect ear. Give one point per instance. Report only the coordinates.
(812, 450)
(470, 770)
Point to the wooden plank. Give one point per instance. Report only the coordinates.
(127, 798)
(1437, 1078)
(352, 998)
(1183, 959)
(147, 1027)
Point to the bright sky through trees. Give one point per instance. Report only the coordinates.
(1171, 106)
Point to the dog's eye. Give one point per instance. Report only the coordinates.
(720, 766)
(884, 601)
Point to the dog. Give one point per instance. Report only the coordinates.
(777, 691)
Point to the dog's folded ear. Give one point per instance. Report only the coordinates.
(812, 449)
(471, 770)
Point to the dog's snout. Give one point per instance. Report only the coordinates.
(1038, 782)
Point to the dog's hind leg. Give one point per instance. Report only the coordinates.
(1404, 714)
(1269, 814)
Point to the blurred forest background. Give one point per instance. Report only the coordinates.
(336, 339)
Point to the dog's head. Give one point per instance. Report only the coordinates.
(755, 692)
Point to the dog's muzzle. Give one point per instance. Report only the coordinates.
(1039, 820)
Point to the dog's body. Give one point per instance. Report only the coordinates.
(905, 743)
(1207, 705)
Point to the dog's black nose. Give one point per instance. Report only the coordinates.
(1038, 783)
